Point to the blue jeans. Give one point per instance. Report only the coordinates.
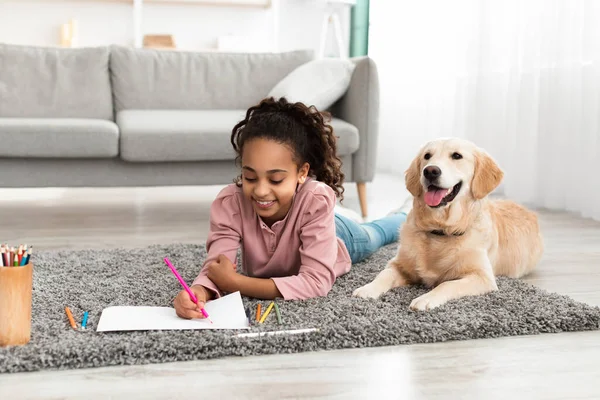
(364, 239)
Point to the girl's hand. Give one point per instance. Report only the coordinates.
(223, 274)
(186, 308)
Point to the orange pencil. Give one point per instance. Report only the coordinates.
(71, 320)
(258, 313)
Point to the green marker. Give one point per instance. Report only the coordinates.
(278, 314)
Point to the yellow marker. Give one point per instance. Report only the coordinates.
(266, 314)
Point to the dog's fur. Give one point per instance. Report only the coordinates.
(474, 238)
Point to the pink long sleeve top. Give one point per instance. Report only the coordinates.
(301, 253)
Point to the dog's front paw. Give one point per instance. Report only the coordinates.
(427, 301)
(370, 290)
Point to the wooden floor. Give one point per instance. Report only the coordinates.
(552, 366)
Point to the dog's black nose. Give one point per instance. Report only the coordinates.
(432, 172)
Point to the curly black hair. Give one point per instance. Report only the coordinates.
(304, 129)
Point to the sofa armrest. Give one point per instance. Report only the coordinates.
(360, 107)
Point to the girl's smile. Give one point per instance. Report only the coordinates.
(265, 204)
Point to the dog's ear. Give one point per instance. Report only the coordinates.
(487, 175)
(413, 177)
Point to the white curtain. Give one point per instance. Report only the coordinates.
(520, 78)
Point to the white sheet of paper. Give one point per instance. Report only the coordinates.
(226, 312)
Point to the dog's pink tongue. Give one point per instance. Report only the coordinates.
(434, 197)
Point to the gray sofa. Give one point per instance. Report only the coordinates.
(118, 116)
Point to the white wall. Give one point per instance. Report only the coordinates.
(195, 27)
(400, 72)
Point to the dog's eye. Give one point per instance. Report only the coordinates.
(427, 156)
(456, 156)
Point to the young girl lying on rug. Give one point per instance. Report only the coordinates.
(281, 211)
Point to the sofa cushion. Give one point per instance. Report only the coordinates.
(176, 135)
(347, 136)
(48, 82)
(318, 83)
(187, 135)
(58, 138)
(162, 79)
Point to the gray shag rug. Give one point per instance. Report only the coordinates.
(90, 280)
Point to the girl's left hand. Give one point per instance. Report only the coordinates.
(223, 274)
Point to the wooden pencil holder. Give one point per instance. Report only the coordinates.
(16, 284)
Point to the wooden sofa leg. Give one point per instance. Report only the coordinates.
(362, 197)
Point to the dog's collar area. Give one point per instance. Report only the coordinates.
(440, 232)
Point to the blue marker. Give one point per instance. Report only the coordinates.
(84, 320)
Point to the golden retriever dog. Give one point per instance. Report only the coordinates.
(456, 239)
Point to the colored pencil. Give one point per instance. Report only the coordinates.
(84, 320)
(4, 255)
(29, 252)
(23, 260)
(19, 254)
(11, 257)
(70, 316)
(266, 314)
(248, 315)
(278, 314)
(187, 289)
(258, 312)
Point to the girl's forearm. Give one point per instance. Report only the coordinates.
(258, 288)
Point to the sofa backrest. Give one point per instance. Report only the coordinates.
(167, 79)
(51, 82)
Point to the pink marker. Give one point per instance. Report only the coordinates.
(187, 289)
